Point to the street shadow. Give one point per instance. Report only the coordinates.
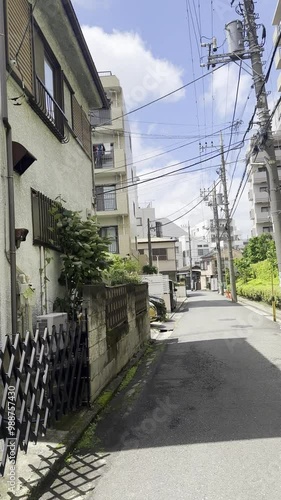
(201, 392)
(212, 303)
(76, 478)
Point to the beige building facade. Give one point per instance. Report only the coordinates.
(115, 194)
(164, 254)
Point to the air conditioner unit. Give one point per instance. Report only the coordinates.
(50, 320)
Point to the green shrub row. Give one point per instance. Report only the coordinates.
(261, 292)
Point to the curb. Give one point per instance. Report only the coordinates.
(90, 415)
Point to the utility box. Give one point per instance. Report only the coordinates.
(235, 37)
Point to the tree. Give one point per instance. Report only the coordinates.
(84, 254)
(149, 269)
(257, 248)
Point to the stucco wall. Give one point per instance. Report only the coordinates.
(61, 170)
(109, 353)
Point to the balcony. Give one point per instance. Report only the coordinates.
(262, 197)
(250, 195)
(263, 218)
(259, 177)
(104, 159)
(49, 111)
(111, 163)
(112, 204)
(252, 214)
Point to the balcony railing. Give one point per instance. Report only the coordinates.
(106, 202)
(104, 160)
(49, 111)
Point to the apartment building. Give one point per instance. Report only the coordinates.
(115, 195)
(52, 83)
(258, 192)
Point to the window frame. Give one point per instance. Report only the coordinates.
(101, 199)
(116, 240)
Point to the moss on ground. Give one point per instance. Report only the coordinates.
(104, 398)
(88, 438)
(128, 377)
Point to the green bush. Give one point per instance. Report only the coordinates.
(259, 286)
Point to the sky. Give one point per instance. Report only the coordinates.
(154, 48)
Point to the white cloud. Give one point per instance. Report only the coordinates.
(223, 90)
(142, 75)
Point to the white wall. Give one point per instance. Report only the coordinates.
(61, 170)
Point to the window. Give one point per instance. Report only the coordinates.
(267, 229)
(263, 189)
(136, 242)
(200, 252)
(141, 251)
(106, 198)
(177, 250)
(111, 232)
(161, 253)
(132, 175)
(139, 221)
(43, 223)
(48, 101)
(67, 98)
(134, 208)
(264, 209)
(261, 169)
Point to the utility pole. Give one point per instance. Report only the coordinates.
(228, 227)
(218, 237)
(190, 256)
(149, 243)
(266, 141)
(242, 48)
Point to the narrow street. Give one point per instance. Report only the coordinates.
(201, 420)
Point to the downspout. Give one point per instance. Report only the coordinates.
(10, 170)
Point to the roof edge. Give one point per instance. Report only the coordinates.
(71, 14)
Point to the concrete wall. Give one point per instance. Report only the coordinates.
(110, 352)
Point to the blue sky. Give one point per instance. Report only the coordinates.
(154, 47)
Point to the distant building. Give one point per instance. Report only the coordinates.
(116, 205)
(164, 254)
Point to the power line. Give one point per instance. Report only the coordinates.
(166, 174)
(168, 94)
(166, 152)
(193, 208)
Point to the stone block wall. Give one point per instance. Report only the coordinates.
(110, 351)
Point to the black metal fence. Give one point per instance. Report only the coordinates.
(41, 378)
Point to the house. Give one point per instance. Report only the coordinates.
(164, 254)
(52, 83)
(209, 268)
(115, 193)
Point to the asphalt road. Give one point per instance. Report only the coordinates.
(200, 421)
